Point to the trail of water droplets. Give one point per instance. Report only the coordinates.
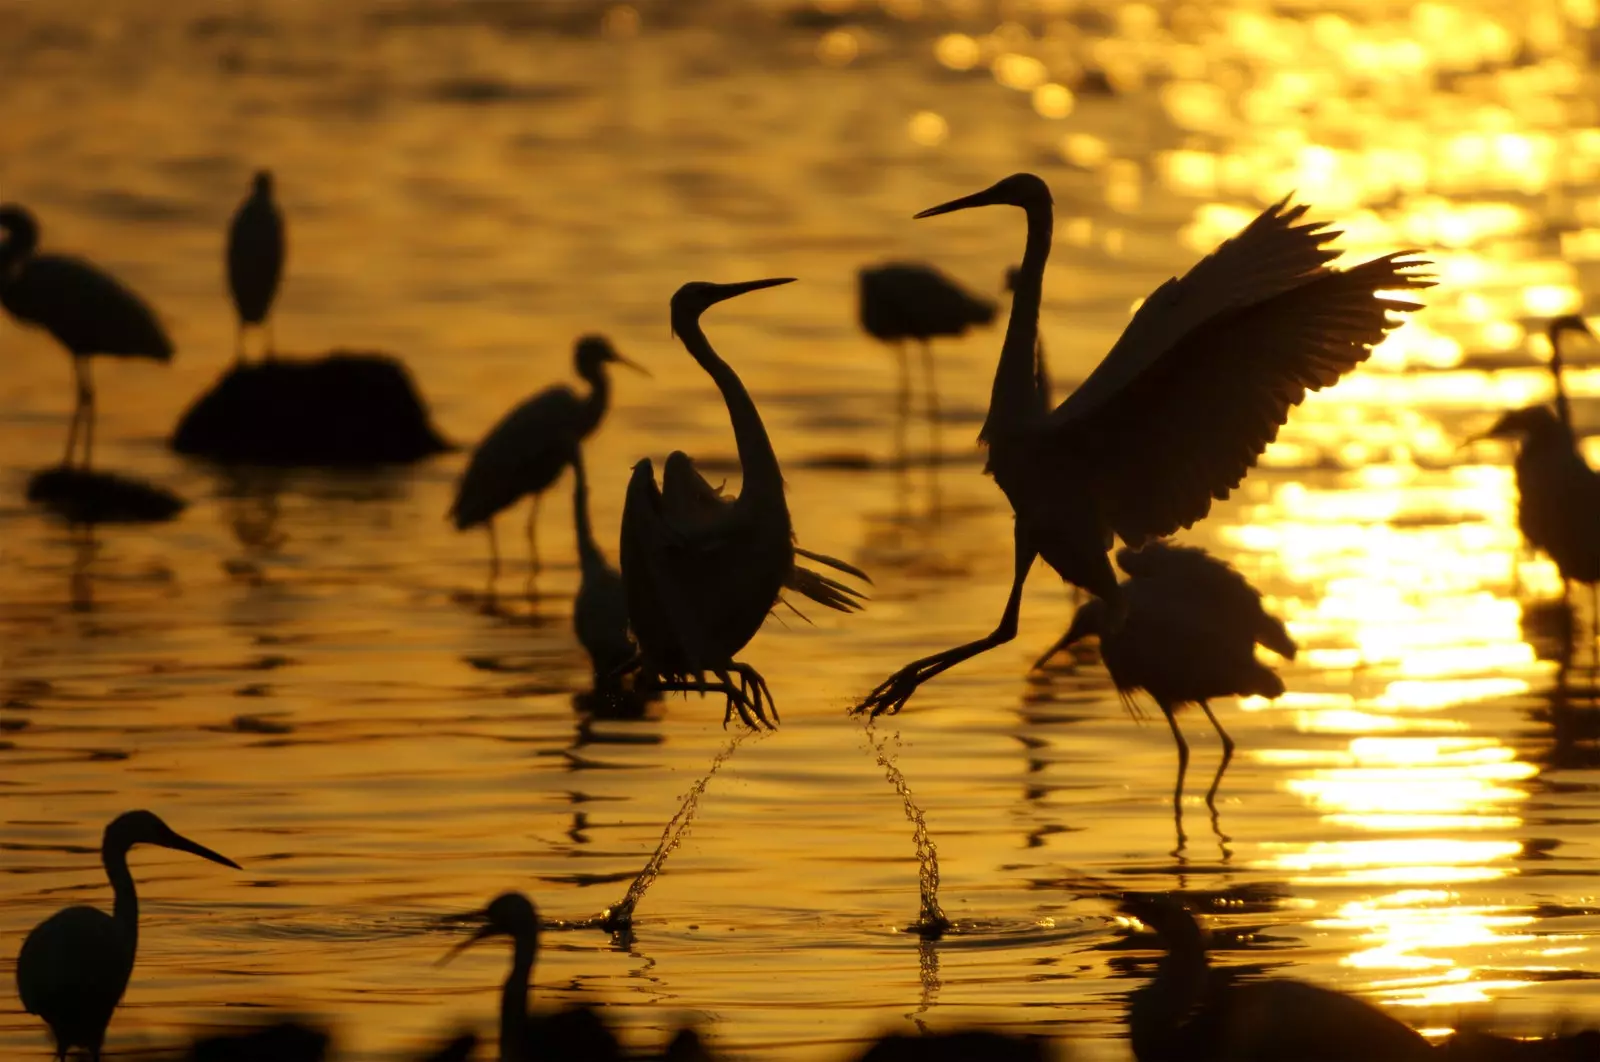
(931, 921)
(619, 916)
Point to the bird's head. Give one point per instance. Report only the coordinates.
(698, 296)
(510, 914)
(1569, 323)
(1533, 422)
(1092, 617)
(1168, 916)
(1019, 190)
(145, 827)
(262, 184)
(21, 233)
(594, 351)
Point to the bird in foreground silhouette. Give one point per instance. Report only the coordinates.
(574, 1033)
(84, 308)
(74, 966)
(897, 301)
(702, 571)
(1558, 494)
(1176, 413)
(255, 260)
(1188, 633)
(1192, 1012)
(526, 450)
(600, 610)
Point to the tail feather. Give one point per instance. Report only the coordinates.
(824, 590)
(1271, 633)
(834, 563)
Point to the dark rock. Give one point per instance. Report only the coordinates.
(82, 496)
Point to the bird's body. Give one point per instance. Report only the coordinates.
(573, 1034)
(526, 450)
(86, 310)
(600, 610)
(900, 301)
(74, 966)
(702, 571)
(1191, 1011)
(255, 258)
(1176, 413)
(1188, 633)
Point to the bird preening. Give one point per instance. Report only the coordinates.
(1180, 408)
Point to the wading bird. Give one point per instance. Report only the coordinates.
(702, 571)
(575, 1033)
(1189, 631)
(1192, 1011)
(85, 309)
(255, 260)
(74, 966)
(1176, 413)
(600, 611)
(898, 301)
(525, 452)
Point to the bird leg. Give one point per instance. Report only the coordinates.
(1059, 644)
(81, 369)
(893, 692)
(533, 545)
(1183, 767)
(738, 699)
(494, 561)
(932, 401)
(750, 680)
(1227, 757)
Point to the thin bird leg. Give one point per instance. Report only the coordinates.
(893, 692)
(86, 397)
(494, 558)
(77, 416)
(1183, 767)
(533, 541)
(736, 698)
(932, 397)
(1227, 756)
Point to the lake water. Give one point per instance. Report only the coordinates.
(299, 674)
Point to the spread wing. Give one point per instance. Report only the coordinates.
(1210, 366)
(1215, 588)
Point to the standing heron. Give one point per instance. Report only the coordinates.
(74, 966)
(525, 452)
(1176, 413)
(897, 301)
(83, 308)
(702, 571)
(255, 260)
(1189, 631)
(575, 1033)
(600, 610)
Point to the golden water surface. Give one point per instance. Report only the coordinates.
(299, 674)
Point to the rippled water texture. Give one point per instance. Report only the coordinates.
(298, 674)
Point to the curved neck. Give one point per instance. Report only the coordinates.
(514, 1002)
(125, 906)
(1563, 407)
(590, 558)
(1015, 394)
(759, 464)
(594, 407)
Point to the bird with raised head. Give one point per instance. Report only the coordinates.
(702, 571)
(255, 260)
(1189, 630)
(84, 308)
(524, 453)
(74, 966)
(1178, 411)
(573, 1034)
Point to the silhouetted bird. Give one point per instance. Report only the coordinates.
(574, 1033)
(1198, 384)
(85, 309)
(956, 1045)
(1189, 632)
(75, 965)
(701, 571)
(255, 260)
(1192, 1012)
(286, 1040)
(600, 610)
(898, 301)
(525, 452)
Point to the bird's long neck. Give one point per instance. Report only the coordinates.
(125, 906)
(594, 407)
(1015, 393)
(1563, 407)
(514, 1001)
(763, 480)
(590, 559)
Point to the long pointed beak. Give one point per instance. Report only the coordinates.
(966, 202)
(482, 934)
(733, 291)
(181, 843)
(630, 363)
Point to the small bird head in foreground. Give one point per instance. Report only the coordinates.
(1533, 422)
(146, 827)
(511, 914)
(594, 351)
(698, 296)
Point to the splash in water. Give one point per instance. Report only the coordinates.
(618, 918)
(931, 922)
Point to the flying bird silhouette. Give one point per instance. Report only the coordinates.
(255, 260)
(701, 570)
(85, 309)
(524, 452)
(74, 966)
(1176, 413)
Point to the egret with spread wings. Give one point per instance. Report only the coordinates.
(702, 571)
(1177, 412)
